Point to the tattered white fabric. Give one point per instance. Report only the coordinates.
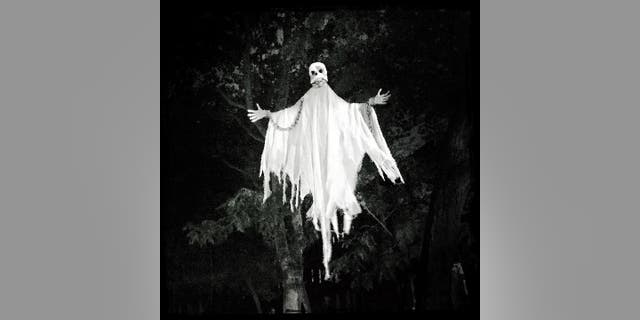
(318, 146)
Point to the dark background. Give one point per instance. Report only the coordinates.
(216, 63)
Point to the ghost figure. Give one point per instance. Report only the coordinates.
(318, 145)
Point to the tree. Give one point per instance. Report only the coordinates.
(450, 226)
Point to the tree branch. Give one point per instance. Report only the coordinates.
(255, 137)
(253, 292)
(229, 100)
(247, 130)
(248, 83)
(238, 169)
(235, 167)
(243, 107)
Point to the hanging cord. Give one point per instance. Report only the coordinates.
(362, 204)
(295, 122)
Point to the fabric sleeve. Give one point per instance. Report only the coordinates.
(285, 118)
(276, 143)
(374, 142)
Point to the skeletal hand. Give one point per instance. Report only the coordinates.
(380, 98)
(255, 115)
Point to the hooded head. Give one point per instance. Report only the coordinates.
(317, 72)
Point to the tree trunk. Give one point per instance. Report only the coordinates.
(291, 243)
(293, 295)
(289, 251)
(449, 235)
(442, 246)
(412, 278)
(305, 299)
(254, 295)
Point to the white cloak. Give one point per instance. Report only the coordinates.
(321, 155)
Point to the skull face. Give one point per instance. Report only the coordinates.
(317, 72)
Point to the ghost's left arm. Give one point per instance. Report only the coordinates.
(368, 113)
(379, 98)
(366, 109)
(379, 150)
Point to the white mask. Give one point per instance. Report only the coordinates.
(317, 71)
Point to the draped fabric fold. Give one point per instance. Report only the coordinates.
(317, 145)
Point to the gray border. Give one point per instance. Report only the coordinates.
(559, 159)
(80, 173)
(79, 181)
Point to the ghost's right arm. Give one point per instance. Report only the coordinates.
(274, 158)
(255, 115)
(284, 119)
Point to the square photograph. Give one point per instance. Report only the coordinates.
(319, 160)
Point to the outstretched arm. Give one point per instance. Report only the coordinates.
(255, 115)
(288, 116)
(367, 108)
(378, 150)
(379, 98)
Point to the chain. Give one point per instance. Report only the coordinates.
(369, 116)
(295, 122)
